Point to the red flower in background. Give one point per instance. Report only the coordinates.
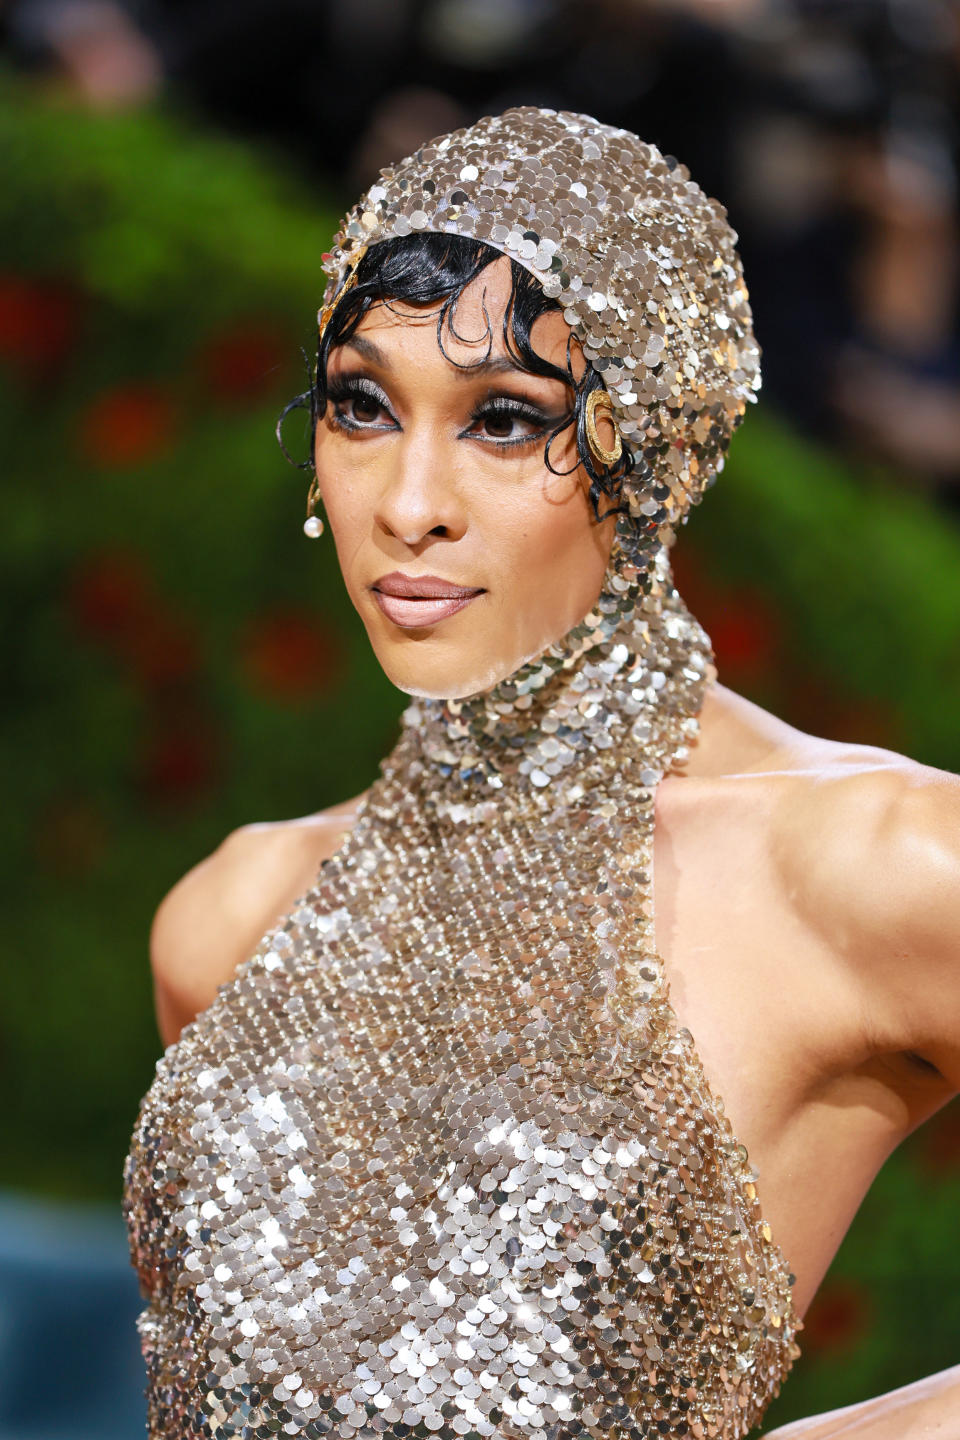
(243, 364)
(107, 595)
(113, 601)
(290, 657)
(745, 627)
(126, 426)
(180, 760)
(743, 624)
(745, 633)
(71, 836)
(838, 1319)
(39, 321)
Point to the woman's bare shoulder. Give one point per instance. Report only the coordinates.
(212, 919)
(867, 845)
(880, 825)
(886, 831)
(831, 775)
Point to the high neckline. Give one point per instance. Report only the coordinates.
(624, 687)
(453, 1074)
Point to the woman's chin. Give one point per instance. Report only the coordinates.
(436, 678)
(463, 661)
(445, 686)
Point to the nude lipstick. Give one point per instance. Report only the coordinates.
(414, 601)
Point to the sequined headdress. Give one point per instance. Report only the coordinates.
(646, 269)
(642, 261)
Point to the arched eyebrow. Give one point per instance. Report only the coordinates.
(494, 365)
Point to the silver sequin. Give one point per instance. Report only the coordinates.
(439, 1158)
(643, 262)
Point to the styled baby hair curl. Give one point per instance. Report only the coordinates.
(428, 268)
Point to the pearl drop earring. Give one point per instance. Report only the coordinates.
(313, 525)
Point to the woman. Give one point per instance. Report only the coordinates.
(432, 1148)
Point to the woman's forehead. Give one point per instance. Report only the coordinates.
(487, 294)
(474, 320)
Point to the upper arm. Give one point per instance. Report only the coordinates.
(921, 844)
(212, 919)
(200, 933)
(908, 909)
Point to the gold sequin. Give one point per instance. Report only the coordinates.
(439, 1159)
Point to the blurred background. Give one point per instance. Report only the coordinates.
(179, 659)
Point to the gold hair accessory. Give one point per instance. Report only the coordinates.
(313, 525)
(599, 400)
(323, 316)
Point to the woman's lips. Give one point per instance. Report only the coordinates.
(414, 613)
(414, 601)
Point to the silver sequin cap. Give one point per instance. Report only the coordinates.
(646, 269)
(642, 261)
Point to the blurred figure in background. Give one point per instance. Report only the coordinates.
(95, 48)
(831, 127)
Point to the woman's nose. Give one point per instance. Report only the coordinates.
(419, 495)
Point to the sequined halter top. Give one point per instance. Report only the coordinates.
(439, 1158)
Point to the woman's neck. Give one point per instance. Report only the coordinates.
(624, 687)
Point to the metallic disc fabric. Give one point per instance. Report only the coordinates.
(439, 1159)
(643, 263)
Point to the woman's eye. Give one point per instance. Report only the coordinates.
(500, 427)
(358, 407)
(513, 426)
(364, 408)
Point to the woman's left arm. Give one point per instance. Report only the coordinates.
(902, 889)
(906, 885)
(928, 1409)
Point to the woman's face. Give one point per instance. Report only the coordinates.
(463, 553)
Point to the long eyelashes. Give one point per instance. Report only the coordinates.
(494, 410)
(504, 409)
(355, 387)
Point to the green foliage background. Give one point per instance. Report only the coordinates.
(181, 661)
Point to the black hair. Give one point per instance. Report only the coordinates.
(426, 267)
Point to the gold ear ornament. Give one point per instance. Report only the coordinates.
(599, 403)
